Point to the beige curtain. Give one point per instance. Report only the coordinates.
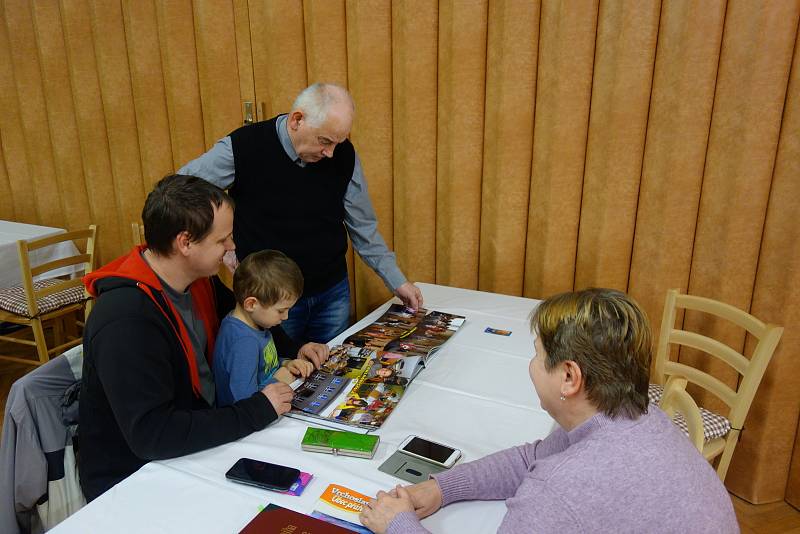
(515, 146)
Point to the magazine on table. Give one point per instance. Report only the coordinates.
(362, 381)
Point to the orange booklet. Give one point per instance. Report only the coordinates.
(341, 506)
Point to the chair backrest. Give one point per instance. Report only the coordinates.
(137, 232)
(751, 370)
(81, 261)
(36, 410)
(676, 399)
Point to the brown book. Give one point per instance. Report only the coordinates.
(277, 520)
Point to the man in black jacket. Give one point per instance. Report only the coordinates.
(147, 391)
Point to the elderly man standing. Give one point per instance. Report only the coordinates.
(299, 188)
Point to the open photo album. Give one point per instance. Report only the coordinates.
(362, 381)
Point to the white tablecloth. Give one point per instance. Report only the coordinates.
(11, 232)
(475, 395)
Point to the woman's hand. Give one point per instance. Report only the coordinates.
(425, 496)
(380, 511)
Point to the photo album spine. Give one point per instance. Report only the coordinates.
(328, 423)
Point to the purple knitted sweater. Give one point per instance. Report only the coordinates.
(607, 475)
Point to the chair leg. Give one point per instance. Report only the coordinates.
(70, 326)
(727, 454)
(58, 330)
(38, 336)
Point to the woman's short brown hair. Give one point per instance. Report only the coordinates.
(269, 276)
(607, 334)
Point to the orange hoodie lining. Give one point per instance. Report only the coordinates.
(133, 267)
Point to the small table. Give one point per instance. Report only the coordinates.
(475, 395)
(11, 232)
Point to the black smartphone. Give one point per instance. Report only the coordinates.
(263, 474)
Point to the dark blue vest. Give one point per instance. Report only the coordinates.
(297, 210)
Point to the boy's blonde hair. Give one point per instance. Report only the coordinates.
(268, 275)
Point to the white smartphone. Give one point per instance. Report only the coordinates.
(430, 451)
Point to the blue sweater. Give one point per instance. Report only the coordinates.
(245, 359)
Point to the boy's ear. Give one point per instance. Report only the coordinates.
(249, 304)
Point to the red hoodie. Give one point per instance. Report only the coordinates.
(133, 267)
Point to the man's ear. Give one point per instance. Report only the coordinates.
(294, 119)
(249, 304)
(182, 243)
(572, 378)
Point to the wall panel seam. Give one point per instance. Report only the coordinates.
(644, 147)
(585, 151)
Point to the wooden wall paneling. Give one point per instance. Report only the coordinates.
(33, 111)
(563, 94)
(681, 101)
(116, 89)
(92, 131)
(788, 153)
(756, 55)
(760, 467)
(244, 55)
(793, 485)
(279, 55)
(12, 139)
(6, 207)
(181, 80)
(149, 98)
(512, 49)
(218, 69)
(325, 34)
(414, 71)
(60, 113)
(623, 73)
(461, 97)
(369, 71)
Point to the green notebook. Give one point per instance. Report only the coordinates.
(339, 442)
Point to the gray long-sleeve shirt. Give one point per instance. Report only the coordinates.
(217, 167)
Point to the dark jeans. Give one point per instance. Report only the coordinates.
(320, 317)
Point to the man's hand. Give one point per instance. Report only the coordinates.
(316, 353)
(280, 395)
(299, 367)
(410, 295)
(425, 496)
(380, 511)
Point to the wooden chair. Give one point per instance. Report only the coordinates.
(682, 409)
(47, 302)
(720, 438)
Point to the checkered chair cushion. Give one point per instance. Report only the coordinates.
(12, 299)
(714, 425)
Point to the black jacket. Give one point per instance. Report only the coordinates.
(137, 402)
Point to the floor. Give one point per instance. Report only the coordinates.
(774, 518)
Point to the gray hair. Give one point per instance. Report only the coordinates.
(316, 100)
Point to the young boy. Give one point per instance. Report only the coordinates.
(266, 285)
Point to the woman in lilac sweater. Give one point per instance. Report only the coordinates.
(615, 465)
